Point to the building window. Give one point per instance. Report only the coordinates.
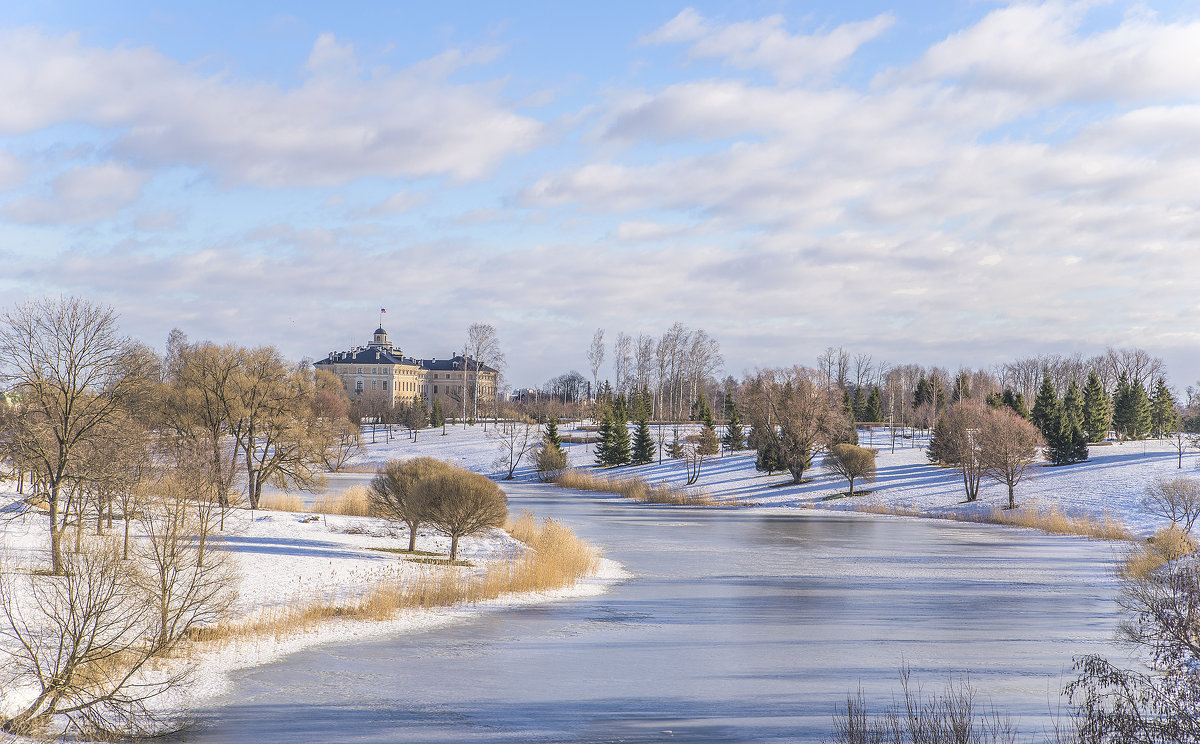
(358, 386)
(435, 389)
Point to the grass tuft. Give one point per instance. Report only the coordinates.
(634, 488)
(1144, 558)
(353, 502)
(288, 502)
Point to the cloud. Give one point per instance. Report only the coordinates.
(765, 44)
(1040, 52)
(398, 203)
(13, 170)
(335, 127)
(80, 195)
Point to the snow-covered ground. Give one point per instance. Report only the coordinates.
(281, 558)
(1112, 481)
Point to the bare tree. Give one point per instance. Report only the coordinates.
(955, 442)
(1008, 448)
(66, 364)
(460, 503)
(87, 643)
(851, 462)
(515, 439)
(623, 362)
(595, 357)
(393, 493)
(1176, 499)
(482, 350)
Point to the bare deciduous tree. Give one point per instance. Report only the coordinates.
(851, 462)
(66, 364)
(595, 357)
(955, 442)
(482, 350)
(393, 493)
(1008, 448)
(515, 440)
(1176, 499)
(459, 503)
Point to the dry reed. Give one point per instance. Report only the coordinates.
(634, 488)
(1144, 558)
(288, 502)
(555, 559)
(353, 502)
(1052, 520)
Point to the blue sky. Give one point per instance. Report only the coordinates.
(943, 183)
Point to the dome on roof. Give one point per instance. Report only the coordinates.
(380, 330)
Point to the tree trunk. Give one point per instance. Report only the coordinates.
(412, 536)
(1012, 504)
(453, 547)
(56, 562)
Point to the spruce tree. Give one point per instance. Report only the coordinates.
(707, 444)
(643, 444)
(620, 450)
(605, 444)
(1164, 419)
(1045, 409)
(1015, 401)
(1142, 416)
(735, 437)
(1097, 409)
(436, 416)
(1066, 442)
(923, 393)
(962, 387)
(859, 406)
(874, 412)
(552, 437)
(701, 411)
(994, 399)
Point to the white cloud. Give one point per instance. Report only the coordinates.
(13, 170)
(80, 195)
(765, 44)
(398, 203)
(335, 127)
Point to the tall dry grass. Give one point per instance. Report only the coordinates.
(634, 488)
(353, 502)
(288, 502)
(1051, 520)
(1144, 558)
(555, 559)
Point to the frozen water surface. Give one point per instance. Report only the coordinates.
(737, 625)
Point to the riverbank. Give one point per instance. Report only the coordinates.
(288, 563)
(1110, 484)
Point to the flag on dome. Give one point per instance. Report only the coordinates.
(383, 310)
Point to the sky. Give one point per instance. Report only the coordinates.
(949, 183)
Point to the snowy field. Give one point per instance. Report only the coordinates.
(1112, 481)
(282, 558)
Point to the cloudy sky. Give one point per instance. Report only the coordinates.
(948, 183)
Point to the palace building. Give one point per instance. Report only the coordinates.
(381, 370)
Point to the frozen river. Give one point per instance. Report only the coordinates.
(736, 626)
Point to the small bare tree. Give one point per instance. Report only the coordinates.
(459, 503)
(82, 643)
(1008, 448)
(393, 493)
(515, 439)
(1177, 499)
(851, 462)
(955, 442)
(595, 357)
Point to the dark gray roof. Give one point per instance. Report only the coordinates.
(375, 356)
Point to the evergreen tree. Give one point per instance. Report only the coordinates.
(771, 457)
(701, 411)
(1123, 413)
(847, 406)
(1097, 409)
(619, 453)
(940, 451)
(923, 393)
(552, 438)
(962, 387)
(620, 410)
(1142, 412)
(729, 406)
(675, 446)
(995, 399)
(859, 408)
(734, 437)
(643, 444)
(1045, 409)
(1066, 442)
(1072, 405)
(436, 416)
(605, 445)
(1163, 417)
(1015, 401)
(707, 444)
(874, 412)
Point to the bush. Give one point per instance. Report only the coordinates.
(551, 461)
(460, 503)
